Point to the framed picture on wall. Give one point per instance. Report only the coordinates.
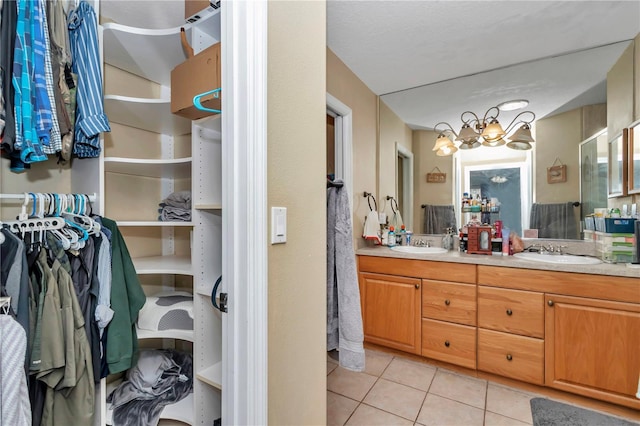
(617, 162)
(633, 159)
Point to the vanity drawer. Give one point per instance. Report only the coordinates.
(513, 311)
(510, 355)
(452, 343)
(449, 301)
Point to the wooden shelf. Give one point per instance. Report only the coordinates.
(212, 375)
(206, 206)
(148, 53)
(177, 168)
(181, 411)
(150, 223)
(153, 115)
(187, 335)
(180, 265)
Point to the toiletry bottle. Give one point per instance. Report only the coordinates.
(409, 235)
(391, 237)
(403, 236)
(505, 241)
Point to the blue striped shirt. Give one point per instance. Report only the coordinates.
(90, 117)
(44, 121)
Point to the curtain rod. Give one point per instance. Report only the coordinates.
(21, 196)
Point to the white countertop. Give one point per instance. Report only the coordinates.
(620, 270)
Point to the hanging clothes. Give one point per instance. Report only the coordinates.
(344, 317)
(14, 395)
(14, 276)
(90, 118)
(9, 16)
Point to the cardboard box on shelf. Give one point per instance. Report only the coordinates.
(196, 75)
(192, 7)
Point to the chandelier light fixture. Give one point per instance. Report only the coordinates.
(476, 132)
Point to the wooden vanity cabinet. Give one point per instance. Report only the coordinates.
(448, 322)
(391, 311)
(510, 333)
(593, 348)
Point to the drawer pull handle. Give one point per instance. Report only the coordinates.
(509, 357)
(447, 302)
(550, 303)
(509, 312)
(417, 286)
(446, 343)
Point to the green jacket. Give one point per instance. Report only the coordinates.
(127, 298)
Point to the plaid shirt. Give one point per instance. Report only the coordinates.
(44, 121)
(55, 143)
(90, 117)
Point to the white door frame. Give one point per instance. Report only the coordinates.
(407, 183)
(343, 142)
(244, 201)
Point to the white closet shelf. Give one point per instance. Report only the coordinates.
(212, 375)
(208, 206)
(151, 223)
(153, 115)
(210, 127)
(181, 411)
(180, 265)
(149, 53)
(187, 335)
(176, 168)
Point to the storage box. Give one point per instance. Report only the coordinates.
(198, 74)
(615, 225)
(193, 7)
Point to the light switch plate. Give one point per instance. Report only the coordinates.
(278, 225)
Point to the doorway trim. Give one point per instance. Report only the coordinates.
(244, 222)
(407, 183)
(344, 143)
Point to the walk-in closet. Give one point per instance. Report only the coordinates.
(132, 223)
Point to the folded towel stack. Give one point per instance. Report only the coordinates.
(371, 227)
(176, 207)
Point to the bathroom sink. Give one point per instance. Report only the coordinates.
(559, 259)
(419, 250)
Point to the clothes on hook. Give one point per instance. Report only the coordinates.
(68, 301)
(48, 60)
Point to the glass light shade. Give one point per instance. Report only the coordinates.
(495, 143)
(519, 145)
(523, 134)
(467, 134)
(444, 146)
(493, 131)
(470, 145)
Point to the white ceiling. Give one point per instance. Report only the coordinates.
(432, 60)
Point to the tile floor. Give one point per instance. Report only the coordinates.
(397, 391)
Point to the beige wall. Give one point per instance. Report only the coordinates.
(392, 130)
(348, 89)
(623, 101)
(425, 161)
(296, 167)
(558, 137)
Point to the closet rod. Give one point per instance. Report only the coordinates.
(92, 197)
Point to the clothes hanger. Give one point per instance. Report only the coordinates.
(57, 234)
(5, 304)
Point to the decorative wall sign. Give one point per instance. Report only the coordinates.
(436, 177)
(557, 173)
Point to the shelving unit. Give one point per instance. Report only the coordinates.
(139, 178)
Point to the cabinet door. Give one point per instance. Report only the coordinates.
(593, 348)
(391, 311)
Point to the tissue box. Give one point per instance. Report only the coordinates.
(196, 75)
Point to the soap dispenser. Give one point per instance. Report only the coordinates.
(391, 237)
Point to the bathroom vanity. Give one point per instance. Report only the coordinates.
(574, 328)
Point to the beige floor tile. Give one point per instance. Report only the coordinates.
(509, 402)
(331, 366)
(370, 416)
(467, 390)
(439, 411)
(350, 384)
(376, 362)
(332, 356)
(339, 408)
(493, 419)
(395, 398)
(410, 373)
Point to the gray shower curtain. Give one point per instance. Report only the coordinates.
(438, 218)
(554, 220)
